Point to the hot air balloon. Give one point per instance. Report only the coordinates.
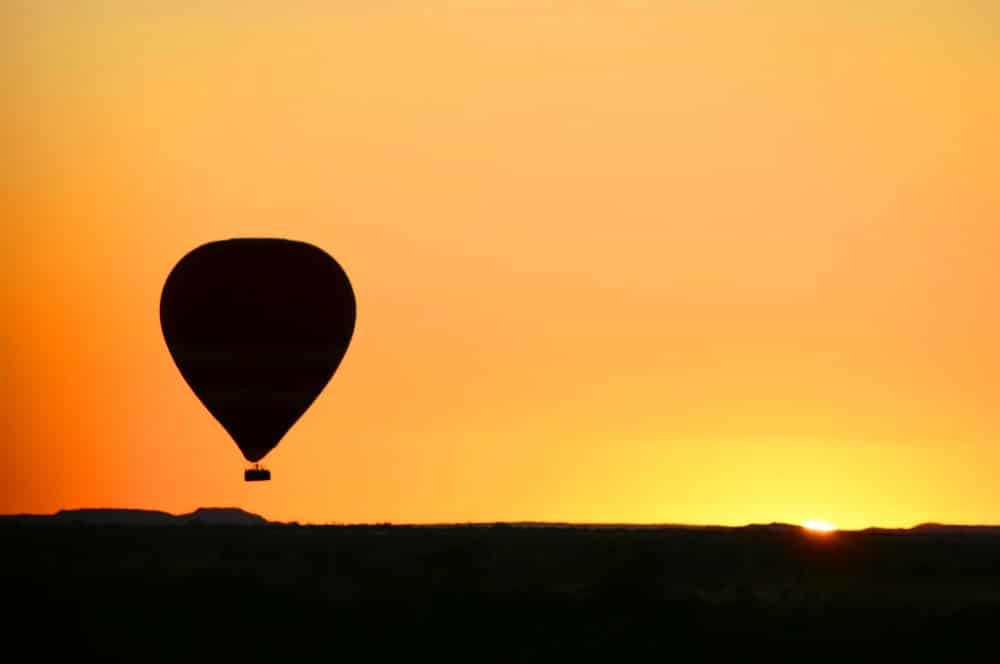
(257, 327)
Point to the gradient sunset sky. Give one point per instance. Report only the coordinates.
(674, 261)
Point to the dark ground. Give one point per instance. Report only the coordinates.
(494, 593)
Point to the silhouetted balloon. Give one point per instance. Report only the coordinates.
(257, 328)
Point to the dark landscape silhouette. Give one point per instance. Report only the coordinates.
(226, 585)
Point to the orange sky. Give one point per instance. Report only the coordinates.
(713, 262)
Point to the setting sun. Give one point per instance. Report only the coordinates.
(819, 526)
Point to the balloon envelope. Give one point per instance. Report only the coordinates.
(257, 328)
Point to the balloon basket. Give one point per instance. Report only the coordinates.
(256, 475)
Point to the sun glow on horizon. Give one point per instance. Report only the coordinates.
(816, 526)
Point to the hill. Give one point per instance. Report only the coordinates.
(214, 516)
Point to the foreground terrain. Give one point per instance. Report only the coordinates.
(198, 592)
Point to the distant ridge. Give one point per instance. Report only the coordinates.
(209, 516)
(954, 528)
(234, 516)
(639, 526)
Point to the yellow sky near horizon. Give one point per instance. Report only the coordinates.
(704, 262)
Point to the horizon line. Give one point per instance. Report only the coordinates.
(503, 522)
